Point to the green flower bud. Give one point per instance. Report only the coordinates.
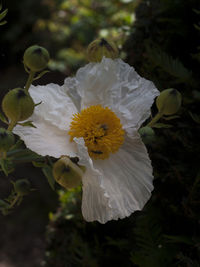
(36, 58)
(101, 47)
(67, 173)
(6, 140)
(147, 134)
(22, 187)
(169, 101)
(18, 105)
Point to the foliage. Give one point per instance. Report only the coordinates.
(65, 28)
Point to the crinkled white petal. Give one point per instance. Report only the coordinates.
(116, 187)
(115, 84)
(70, 88)
(46, 139)
(56, 108)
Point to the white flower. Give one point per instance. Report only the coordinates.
(118, 177)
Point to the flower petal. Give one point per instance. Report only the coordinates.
(116, 187)
(95, 201)
(137, 97)
(52, 120)
(56, 108)
(46, 139)
(115, 84)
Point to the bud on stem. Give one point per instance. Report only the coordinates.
(100, 48)
(36, 58)
(67, 173)
(169, 101)
(17, 105)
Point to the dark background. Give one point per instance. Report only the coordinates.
(160, 38)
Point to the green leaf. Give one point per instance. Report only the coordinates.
(6, 166)
(195, 117)
(23, 155)
(49, 175)
(3, 14)
(37, 104)
(170, 117)
(17, 145)
(179, 239)
(26, 69)
(27, 124)
(3, 118)
(170, 65)
(3, 22)
(162, 125)
(41, 74)
(38, 164)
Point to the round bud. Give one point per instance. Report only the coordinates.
(169, 101)
(6, 140)
(36, 58)
(147, 134)
(22, 187)
(18, 105)
(67, 173)
(101, 48)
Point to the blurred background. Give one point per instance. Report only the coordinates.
(161, 40)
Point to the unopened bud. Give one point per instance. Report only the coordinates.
(169, 101)
(22, 187)
(18, 105)
(7, 140)
(147, 134)
(67, 173)
(36, 58)
(101, 48)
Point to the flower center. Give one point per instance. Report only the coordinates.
(101, 130)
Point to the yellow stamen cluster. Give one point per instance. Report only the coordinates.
(101, 130)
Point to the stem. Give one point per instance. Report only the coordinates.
(14, 201)
(11, 125)
(155, 119)
(29, 81)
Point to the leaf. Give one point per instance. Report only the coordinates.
(27, 124)
(26, 69)
(23, 155)
(41, 74)
(170, 117)
(179, 239)
(195, 117)
(162, 125)
(38, 164)
(37, 104)
(49, 175)
(3, 22)
(3, 118)
(3, 14)
(6, 166)
(170, 65)
(17, 145)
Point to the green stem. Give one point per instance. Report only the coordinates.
(14, 201)
(11, 125)
(30, 80)
(155, 119)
